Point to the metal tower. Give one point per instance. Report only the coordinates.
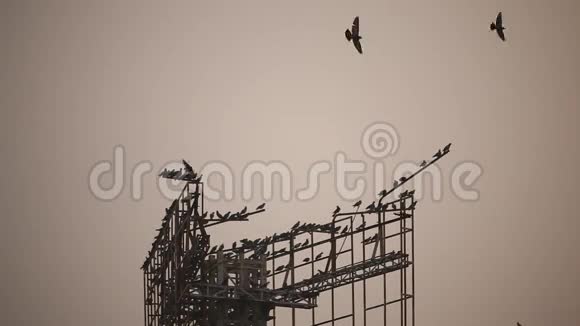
(189, 282)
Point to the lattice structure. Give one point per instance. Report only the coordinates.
(189, 282)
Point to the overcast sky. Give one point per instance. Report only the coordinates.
(242, 81)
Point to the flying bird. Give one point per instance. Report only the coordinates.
(353, 35)
(498, 26)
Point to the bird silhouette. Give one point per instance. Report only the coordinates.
(306, 260)
(383, 193)
(295, 225)
(336, 211)
(354, 36)
(438, 154)
(244, 210)
(261, 206)
(403, 179)
(357, 204)
(498, 26)
(188, 167)
(447, 148)
(423, 164)
(319, 255)
(371, 206)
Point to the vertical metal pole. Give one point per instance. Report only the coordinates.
(292, 275)
(312, 270)
(332, 267)
(274, 275)
(364, 279)
(382, 228)
(402, 270)
(413, 262)
(352, 264)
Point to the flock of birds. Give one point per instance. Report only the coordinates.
(353, 34)
(259, 247)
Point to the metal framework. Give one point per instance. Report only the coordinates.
(188, 282)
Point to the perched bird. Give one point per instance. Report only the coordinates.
(498, 26)
(306, 260)
(319, 255)
(438, 154)
(357, 204)
(234, 245)
(383, 193)
(345, 230)
(219, 215)
(354, 36)
(362, 226)
(305, 243)
(423, 164)
(403, 179)
(295, 225)
(336, 211)
(371, 206)
(404, 194)
(261, 206)
(188, 167)
(211, 215)
(519, 324)
(221, 247)
(244, 210)
(446, 148)
(279, 268)
(395, 184)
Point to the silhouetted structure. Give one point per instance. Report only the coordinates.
(189, 282)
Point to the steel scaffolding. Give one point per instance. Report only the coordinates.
(188, 282)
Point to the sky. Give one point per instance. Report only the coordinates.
(261, 81)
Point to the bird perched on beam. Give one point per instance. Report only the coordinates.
(188, 167)
(357, 204)
(446, 148)
(336, 211)
(498, 26)
(354, 36)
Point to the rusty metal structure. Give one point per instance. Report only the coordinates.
(367, 254)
